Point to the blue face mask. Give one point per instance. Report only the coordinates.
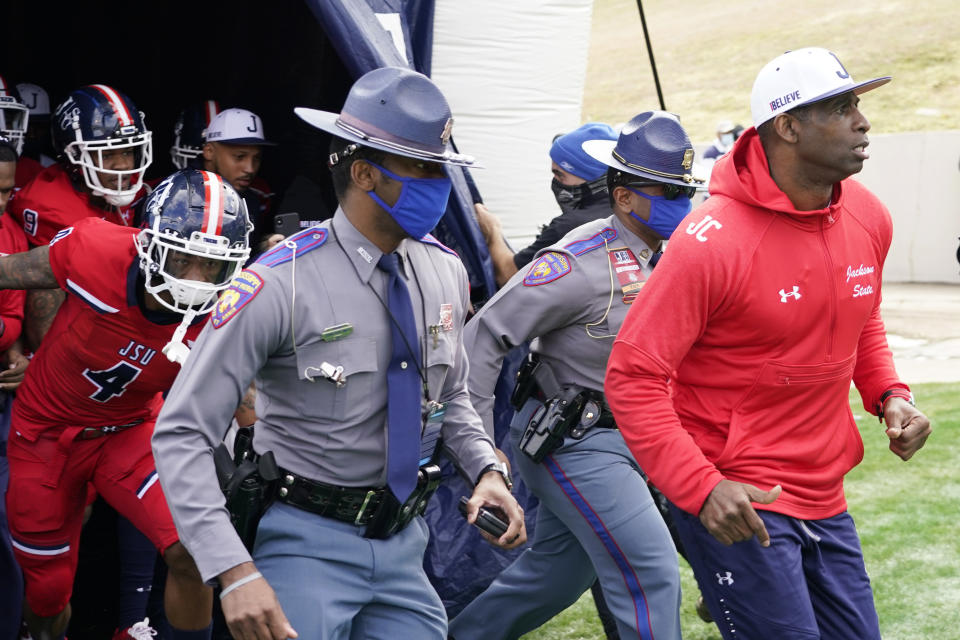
(665, 215)
(421, 204)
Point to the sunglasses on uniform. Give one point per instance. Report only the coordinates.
(670, 191)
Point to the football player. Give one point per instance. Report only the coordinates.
(85, 412)
(103, 149)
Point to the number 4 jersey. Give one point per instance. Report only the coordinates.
(101, 362)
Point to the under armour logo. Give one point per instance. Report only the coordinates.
(109, 429)
(795, 294)
(724, 579)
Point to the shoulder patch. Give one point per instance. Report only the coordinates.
(547, 268)
(244, 288)
(429, 239)
(304, 241)
(580, 247)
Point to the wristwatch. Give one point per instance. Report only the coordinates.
(897, 392)
(501, 468)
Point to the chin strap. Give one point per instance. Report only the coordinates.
(176, 350)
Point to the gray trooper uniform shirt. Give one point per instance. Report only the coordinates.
(596, 518)
(282, 322)
(571, 299)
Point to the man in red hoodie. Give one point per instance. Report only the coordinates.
(730, 379)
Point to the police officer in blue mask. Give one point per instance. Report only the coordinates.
(352, 329)
(596, 517)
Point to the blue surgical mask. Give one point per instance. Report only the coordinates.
(665, 215)
(421, 204)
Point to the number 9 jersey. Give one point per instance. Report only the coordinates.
(101, 362)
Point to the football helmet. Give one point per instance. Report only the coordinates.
(188, 132)
(196, 213)
(97, 119)
(14, 115)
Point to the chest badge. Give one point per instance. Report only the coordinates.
(629, 273)
(445, 324)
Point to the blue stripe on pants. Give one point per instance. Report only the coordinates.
(629, 576)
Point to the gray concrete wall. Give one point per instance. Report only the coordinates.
(917, 175)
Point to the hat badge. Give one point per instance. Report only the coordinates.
(687, 159)
(447, 131)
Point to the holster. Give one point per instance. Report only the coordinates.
(526, 385)
(390, 516)
(550, 423)
(248, 481)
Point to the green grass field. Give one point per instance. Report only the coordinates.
(907, 517)
(709, 52)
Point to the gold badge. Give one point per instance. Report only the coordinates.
(448, 129)
(688, 159)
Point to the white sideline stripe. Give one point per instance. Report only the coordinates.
(89, 297)
(41, 552)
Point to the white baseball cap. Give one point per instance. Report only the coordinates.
(800, 77)
(35, 97)
(236, 126)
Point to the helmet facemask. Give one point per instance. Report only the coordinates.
(14, 118)
(88, 155)
(181, 156)
(161, 254)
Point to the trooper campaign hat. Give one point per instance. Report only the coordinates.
(800, 77)
(652, 145)
(397, 110)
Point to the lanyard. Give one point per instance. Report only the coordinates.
(423, 312)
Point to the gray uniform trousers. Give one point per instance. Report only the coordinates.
(596, 518)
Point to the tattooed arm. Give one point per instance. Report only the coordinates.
(41, 309)
(28, 270)
(31, 270)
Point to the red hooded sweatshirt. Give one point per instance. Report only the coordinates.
(757, 318)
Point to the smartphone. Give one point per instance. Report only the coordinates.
(486, 520)
(286, 224)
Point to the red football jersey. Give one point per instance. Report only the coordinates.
(12, 240)
(49, 202)
(101, 362)
(27, 170)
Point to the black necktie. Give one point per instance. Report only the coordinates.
(403, 385)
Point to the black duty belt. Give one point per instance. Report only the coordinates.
(595, 413)
(606, 420)
(355, 505)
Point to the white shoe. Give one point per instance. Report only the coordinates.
(142, 630)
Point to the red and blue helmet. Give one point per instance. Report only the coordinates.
(197, 213)
(97, 119)
(188, 132)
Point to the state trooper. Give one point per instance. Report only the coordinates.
(353, 329)
(596, 517)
